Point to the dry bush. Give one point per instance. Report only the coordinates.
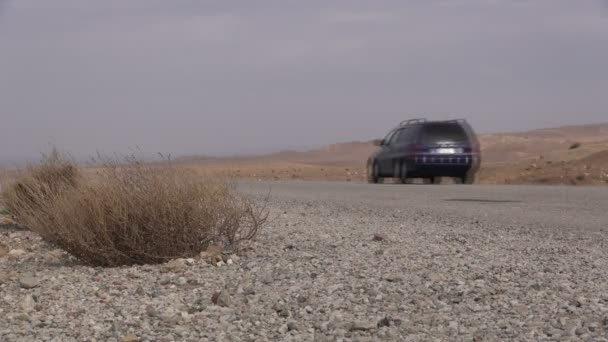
(40, 182)
(137, 213)
(575, 146)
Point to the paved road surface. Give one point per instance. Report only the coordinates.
(559, 207)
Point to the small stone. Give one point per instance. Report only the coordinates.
(16, 253)
(278, 307)
(266, 279)
(4, 250)
(283, 329)
(23, 317)
(221, 298)
(580, 301)
(190, 261)
(394, 279)
(54, 256)
(235, 257)
(362, 326)
(3, 278)
(175, 265)
(133, 276)
(385, 322)
(292, 326)
(379, 237)
(284, 313)
(475, 308)
(28, 304)
(130, 338)
(151, 311)
(28, 282)
(308, 309)
(229, 262)
(213, 254)
(435, 277)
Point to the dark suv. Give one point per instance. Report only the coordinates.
(429, 150)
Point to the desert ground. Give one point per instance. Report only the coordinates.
(342, 261)
(572, 155)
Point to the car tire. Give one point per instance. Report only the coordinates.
(397, 173)
(373, 171)
(436, 180)
(403, 173)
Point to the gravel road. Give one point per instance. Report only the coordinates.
(343, 262)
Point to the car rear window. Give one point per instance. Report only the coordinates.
(443, 132)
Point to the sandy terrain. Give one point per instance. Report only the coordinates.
(541, 156)
(536, 157)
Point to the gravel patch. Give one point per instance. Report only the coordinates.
(324, 270)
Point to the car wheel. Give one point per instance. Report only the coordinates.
(435, 180)
(373, 172)
(427, 181)
(397, 170)
(403, 174)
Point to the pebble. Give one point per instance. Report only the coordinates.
(15, 253)
(293, 326)
(438, 278)
(379, 237)
(4, 250)
(175, 265)
(130, 338)
(28, 282)
(4, 277)
(362, 326)
(223, 299)
(27, 303)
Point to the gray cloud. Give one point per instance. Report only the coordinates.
(243, 77)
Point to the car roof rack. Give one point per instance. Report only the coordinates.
(417, 121)
(411, 122)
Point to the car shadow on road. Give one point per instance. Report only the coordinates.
(480, 200)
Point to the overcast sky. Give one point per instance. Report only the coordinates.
(225, 77)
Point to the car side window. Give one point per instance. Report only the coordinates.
(406, 136)
(388, 137)
(395, 138)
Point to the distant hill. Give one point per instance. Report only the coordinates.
(497, 148)
(561, 155)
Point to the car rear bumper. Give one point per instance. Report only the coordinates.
(453, 160)
(435, 165)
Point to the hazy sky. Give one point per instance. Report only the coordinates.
(224, 77)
